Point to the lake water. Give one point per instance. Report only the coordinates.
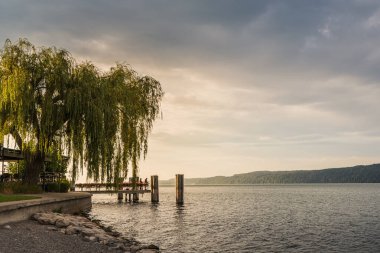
(258, 218)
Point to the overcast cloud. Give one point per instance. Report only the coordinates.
(250, 85)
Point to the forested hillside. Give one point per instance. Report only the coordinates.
(357, 174)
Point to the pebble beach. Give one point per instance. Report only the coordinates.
(52, 232)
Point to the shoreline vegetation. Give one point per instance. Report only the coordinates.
(72, 113)
(356, 174)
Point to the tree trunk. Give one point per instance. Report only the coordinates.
(34, 166)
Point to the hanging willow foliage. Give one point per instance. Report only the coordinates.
(101, 119)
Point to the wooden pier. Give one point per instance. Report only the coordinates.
(110, 187)
(132, 190)
(121, 189)
(118, 191)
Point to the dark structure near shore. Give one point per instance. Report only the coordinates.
(154, 189)
(179, 188)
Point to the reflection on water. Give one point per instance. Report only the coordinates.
(283, 218)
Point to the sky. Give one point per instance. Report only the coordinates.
(249, 85)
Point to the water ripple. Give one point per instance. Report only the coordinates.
(282, 218)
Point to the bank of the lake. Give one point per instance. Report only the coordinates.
(20, 234)
(72, 202)
(29, 236)
(55, 232)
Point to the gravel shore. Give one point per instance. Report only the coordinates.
(30, 236)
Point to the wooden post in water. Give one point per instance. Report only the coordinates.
(154, 189)
(120, 196)
(135, 197)
(179, 183)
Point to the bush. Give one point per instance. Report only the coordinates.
(65, 186)
(19, 187)
(51, 187)
(62, 186)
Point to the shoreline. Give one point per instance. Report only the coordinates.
(29, 236)
(55, 232)
(72, 202)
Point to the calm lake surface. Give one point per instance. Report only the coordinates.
(258, 218)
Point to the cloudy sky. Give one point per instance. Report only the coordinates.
(249, 85)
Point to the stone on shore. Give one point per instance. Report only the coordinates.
(89, 231)
(147, 251)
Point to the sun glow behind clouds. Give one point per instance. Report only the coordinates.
(250, 85)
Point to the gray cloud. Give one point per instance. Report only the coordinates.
(245, 80)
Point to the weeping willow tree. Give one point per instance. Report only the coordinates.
(49, 103)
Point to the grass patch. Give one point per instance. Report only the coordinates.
(11, 197)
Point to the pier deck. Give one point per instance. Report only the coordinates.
(116, 191)
(130, 195)
(130, 190)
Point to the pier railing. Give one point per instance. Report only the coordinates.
(110, 187)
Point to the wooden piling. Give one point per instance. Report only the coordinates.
(179, 185)
(154, 189)
(119, 196)
(135, 197)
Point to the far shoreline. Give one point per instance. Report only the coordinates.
(354, 174)
(285, 184)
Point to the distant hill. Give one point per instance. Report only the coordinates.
(356, 174)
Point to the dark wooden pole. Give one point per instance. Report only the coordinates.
(154, 189)
(119, 196)
(179, 185)
(135, 197)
